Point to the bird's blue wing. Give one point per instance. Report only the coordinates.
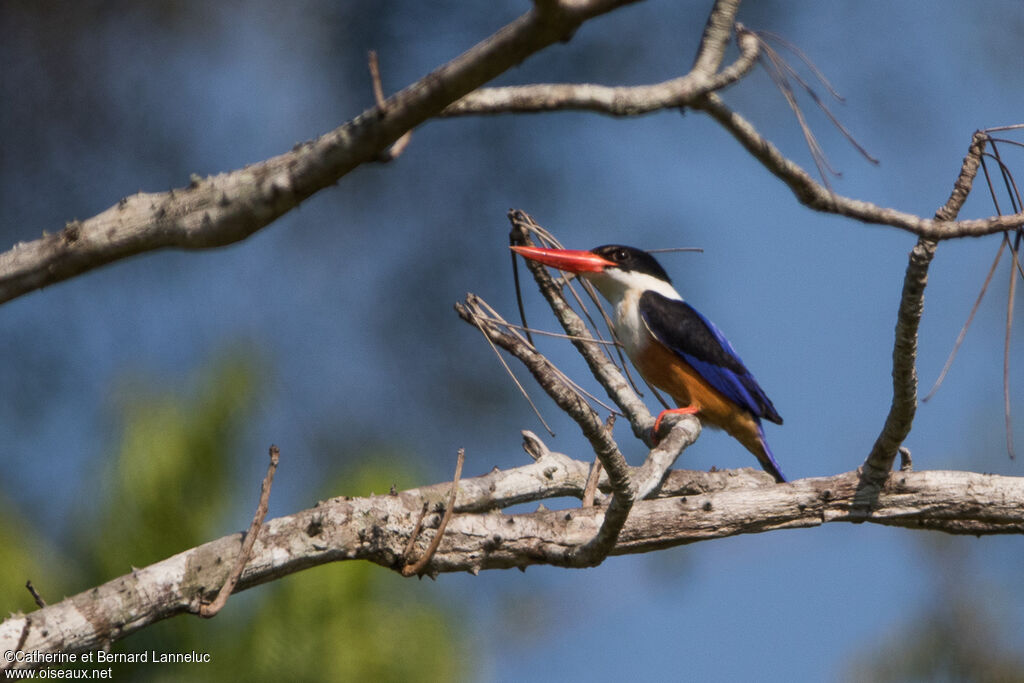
(696, 340)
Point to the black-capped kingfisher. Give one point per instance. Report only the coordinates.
(673, 346)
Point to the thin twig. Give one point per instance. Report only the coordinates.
(672, 250)
(550, 379)
(906, 461)
(395, 150)
(35, 594)
(820, 198)
(1006, 141)
(210, 610)
(802, 56)
(605, 370)
(781, 63)
(416, 530)
(477, 321)
(519, 292)
(495, 317)
(417, 567)
(1006, 356)
(966, 326)
(378, 87)
(23, 637)
(1010, 184)
(1013, 191)
(558, 335)
(590, 490)
(776, 70)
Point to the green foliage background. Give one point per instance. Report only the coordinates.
(169, 487)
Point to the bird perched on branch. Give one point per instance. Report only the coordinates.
(673, 346)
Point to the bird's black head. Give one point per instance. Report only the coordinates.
(632, 259)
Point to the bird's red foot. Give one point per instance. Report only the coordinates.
(687, 410)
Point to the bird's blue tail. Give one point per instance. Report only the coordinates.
(766, 458)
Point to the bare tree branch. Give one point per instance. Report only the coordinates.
(225, 208)
(695, 91)
(818, 197)
(624, 490)
(621, 101)
(715, 38)
(685, 507)
(377, 529)
(904, 355)
(904, 365)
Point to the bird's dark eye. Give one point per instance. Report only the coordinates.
(620, 255)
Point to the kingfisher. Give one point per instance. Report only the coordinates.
(673, 346)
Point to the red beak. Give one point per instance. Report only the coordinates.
(566, 259)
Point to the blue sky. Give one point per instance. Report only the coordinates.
(361, 279)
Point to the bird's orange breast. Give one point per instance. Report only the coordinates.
(670, 373)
